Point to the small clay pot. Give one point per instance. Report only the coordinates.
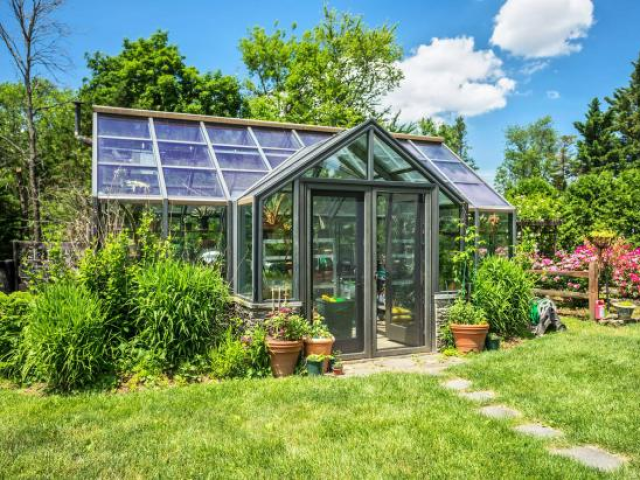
(284, 356)
(319, 346)
(469, 338)
(337, 371)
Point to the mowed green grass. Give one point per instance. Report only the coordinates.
(384, 426)
(585, 381)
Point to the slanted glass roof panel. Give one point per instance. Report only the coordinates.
(126, 180)
(411, 149)
(123, 127)
(185, 182)
(238, 182)
(184, 154)
(480, 195)
(350, 162)
(389, 165)
(436, 151)
(456, 172)
(178, 131)
(125, 151)
(311, 138)
(276, 138)
(276, 157)
(239, 158)
(230, 135)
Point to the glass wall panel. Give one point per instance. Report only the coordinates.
(277, 245)
(238, 182)
(123, 127)
(311, 138)
(230, 135)
(127, 180)
(184, 182)
(117, 150)
(350, 162)
(276, 138)
(494, 233)
(114, 216)
(184, 154)
(448, 242)
(198, 234)
(389, 165)
(245, 250)
(181, 131)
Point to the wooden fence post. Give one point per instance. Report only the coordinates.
(593, 289)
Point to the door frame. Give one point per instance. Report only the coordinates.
(370, 190)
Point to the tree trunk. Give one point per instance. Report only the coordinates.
(24, 203)
(32, 159)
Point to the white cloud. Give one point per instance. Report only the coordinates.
(530, 68)
(553, 94)
(542, 28)
(450, 76)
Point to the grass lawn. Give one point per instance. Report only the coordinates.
(586, 382)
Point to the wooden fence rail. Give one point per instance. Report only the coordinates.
(592, 290)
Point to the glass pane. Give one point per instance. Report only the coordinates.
(348, 163)
(311, 138)
(494, 234)
(238, 182)
(388, 165)
(276, 157)
(399, 271)
(245, 250)
(228, 135)
(182, 131)
(276, 138)
(456, 172)
(411, 149)
(127, 180)
(184, 182)
(449, 243)
(184, 154)
(123, 127)
(277, 245)
(337, 246)
(480, 195)
(436, 151)
(114, 216)
(138, 152)
(198, 233)
(239, 158)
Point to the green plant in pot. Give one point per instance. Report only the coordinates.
(625, 309)
(468, 325)
(336, 363)
(286, 333)
(319, 341)
(315, 364)
(493, 342)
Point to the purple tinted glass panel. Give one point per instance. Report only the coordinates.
(124, 180)
(479, 195)
(238, 182)
(311, 138)
(139, 152)
(276, 157)
(411, 149)
(228, 135)
(276, 138)
(181, 131)
(436, 151)
(186, 155)
(456, 172)
(184, 182)
(240, 158)
(123, 127)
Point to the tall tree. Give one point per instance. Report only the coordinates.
(563, 166)
(32, 38)
(598, 145)
(455, 136)
(530, 151)
(334, 74)
(150, 73)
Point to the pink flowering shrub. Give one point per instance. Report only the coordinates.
(626, 270)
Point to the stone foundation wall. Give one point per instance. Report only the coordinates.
(254, 313)
(442, 302)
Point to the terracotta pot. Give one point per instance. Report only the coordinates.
(319, 346)
(469, 338)
(284, 356)
(338, 371)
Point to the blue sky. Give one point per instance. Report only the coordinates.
(479, 64)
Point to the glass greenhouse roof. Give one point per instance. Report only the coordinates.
(152, 156)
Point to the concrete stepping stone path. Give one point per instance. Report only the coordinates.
(593, 457)
(479, 395)
(457, 384)
(539, 431)
(499, 411)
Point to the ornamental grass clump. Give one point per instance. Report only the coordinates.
(13, 318)
(65, 342)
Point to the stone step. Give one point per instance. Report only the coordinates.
(593, 457)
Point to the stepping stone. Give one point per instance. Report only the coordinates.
(591, 457)
(537, 430)
(457, 384)
(397, 364)
(479, 396)
(499, 411)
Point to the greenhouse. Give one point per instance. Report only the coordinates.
(358, 225)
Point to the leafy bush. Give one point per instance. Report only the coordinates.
(178, 308)
(503, 289)
(465, 313)
(65, 340)
(13, 318)
(285, 325)
(229, 358)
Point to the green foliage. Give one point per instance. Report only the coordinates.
(503, 289)
(284, 325)
(178, 308)
(13, 318)
(465, 313)
(230, 357)
(65, 339)
(333, 74)
(598, 145)
(319, 329)
(535, 200)
(151, 74)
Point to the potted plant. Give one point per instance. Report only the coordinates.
(319, 341)
(337, 364)
(625, 309)
(286, 332)
(468, 325)
(315, 364)
(493, 342)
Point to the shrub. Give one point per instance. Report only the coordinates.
(465, 313)
(64, 341)
(178, 308)
(13, 319)
(229, 358)
(285, 325)
(503, 289)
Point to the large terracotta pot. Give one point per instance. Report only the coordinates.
(319, 346)
(284, 356)
(469, 338)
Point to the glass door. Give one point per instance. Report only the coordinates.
(337, 265)
(399, 272)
